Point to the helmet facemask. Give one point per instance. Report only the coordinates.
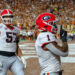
(49, 25)
(54, 29)
(7, 19)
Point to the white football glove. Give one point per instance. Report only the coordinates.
(23, 60)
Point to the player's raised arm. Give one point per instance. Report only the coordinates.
(59, 50)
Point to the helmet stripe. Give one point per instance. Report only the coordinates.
(7, 11)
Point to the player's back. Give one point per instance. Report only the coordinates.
(49, 62)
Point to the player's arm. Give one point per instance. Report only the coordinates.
(63, 48)
(55, 48)
(58, 50)
(19, 52)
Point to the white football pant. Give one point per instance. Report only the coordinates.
(12, 63)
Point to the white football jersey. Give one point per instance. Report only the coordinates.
(8, 38)
(49, 62)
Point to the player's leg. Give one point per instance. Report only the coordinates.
(3, 65)
(17, 67)
(3, 68)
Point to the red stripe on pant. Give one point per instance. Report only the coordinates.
(47, 73)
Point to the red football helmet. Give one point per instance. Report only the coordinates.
(46, 21)
(7, 16)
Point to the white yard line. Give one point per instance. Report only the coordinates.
(68, 59)
(63, 59)
(27, 48)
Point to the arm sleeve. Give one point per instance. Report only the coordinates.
(56, 51)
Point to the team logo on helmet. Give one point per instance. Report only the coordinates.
(46, 18)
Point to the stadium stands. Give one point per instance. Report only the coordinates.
(26, 11)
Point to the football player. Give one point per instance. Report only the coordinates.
(47, 47)
(9, 46)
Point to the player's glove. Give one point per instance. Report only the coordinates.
(23, 61)
(63, 35)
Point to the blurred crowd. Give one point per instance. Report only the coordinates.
(26, 11)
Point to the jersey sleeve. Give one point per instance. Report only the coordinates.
(46, 38)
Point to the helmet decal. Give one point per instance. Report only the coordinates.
(46, 17)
